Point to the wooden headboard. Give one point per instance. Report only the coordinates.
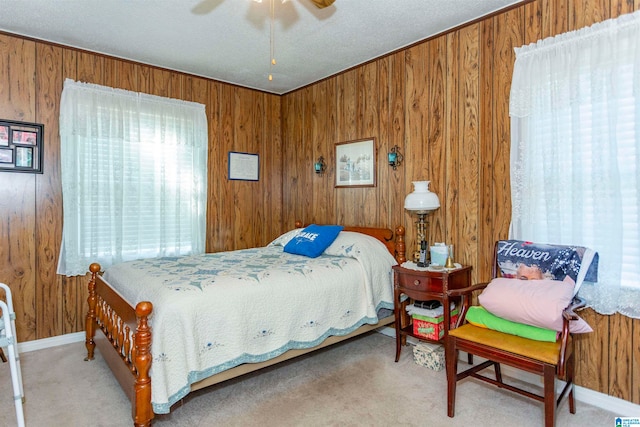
(393, 241)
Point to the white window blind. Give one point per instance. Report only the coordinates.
(575, 152)
(134, 171)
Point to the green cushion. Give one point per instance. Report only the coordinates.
(479, 316)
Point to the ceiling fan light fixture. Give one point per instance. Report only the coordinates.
(321, 4)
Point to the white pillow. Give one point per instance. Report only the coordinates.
(286, 237)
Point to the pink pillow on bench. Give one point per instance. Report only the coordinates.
(533, 302)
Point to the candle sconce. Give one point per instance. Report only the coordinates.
(395, 157)
(319, 166)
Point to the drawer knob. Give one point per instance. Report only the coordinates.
(416, 282)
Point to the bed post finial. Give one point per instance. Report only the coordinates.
(90, 321)
(401, 255)
(298, 223)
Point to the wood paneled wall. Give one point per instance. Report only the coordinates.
(240, 214)
(445, 103)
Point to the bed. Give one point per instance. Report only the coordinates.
(220, 315)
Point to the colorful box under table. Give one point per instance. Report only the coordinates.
(430, 327)
(429, 355)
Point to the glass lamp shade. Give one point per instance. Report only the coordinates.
(421, 200)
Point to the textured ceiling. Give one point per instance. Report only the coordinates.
(229, 40)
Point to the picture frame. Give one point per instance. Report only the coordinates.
(6, 155)
(24, 157)
(21, 146)
(4, 136)
(24, 137)
(243, 166)
(356, 163)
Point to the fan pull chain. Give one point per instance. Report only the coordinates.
(271, 40)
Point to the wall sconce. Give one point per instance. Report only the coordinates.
(319, 167)
(395, 157)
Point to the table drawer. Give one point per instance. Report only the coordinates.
(420, 282)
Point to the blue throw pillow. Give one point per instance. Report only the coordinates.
(313, 240)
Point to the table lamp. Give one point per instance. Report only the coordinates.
(422, 202)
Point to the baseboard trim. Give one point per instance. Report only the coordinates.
(620, 407)
(41, 344)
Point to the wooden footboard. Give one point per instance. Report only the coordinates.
(125, 341)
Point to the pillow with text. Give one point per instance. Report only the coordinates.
(313, 240)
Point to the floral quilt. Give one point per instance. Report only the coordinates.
(212, 312)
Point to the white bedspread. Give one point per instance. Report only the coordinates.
(212, 312)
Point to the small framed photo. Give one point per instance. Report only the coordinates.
(4, 136)
(24, 137)
(24, 157)
(356, 163)
(21, 146)
(6, 155)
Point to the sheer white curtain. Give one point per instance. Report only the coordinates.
(134, 176)
(575, 152)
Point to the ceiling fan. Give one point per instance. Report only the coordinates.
(321, 4)
(206, 6)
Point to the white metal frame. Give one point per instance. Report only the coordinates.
(8, 339)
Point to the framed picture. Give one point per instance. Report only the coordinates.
(244, 166)
(6, 155)
(21, 146)
(24, 157)
(356, 163)
(24, 137)
(4, 136)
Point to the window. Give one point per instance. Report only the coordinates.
(134, 173)
(575, 152)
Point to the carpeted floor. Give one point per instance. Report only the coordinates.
(356, 383)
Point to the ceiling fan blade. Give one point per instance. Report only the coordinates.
(322, 3)
(205, 6)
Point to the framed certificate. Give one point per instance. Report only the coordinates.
(244, 166)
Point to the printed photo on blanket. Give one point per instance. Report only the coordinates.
(527, 260)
